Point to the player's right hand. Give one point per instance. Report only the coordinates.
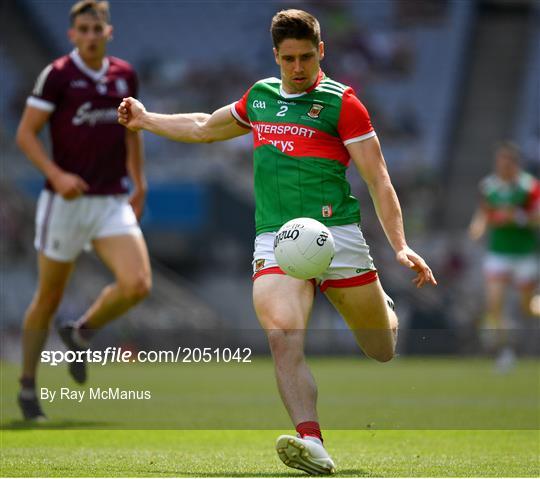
(130, 113)
(409, 258)
(68, 185)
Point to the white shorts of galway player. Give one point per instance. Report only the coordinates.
(64, 228)
(352, 264)
(523, 269)
(307, 454)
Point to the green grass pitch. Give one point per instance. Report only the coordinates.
(411, 417)
(91, 453)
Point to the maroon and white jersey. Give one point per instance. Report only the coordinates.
(86, 137)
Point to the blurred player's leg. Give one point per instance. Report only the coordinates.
(127, 257)
(535, 305)
(526, 295)
(283, 306)
(496, 288)
(526, 277)
(53, 277)
(498, 335)
(370, 317)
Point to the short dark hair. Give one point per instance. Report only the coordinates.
(295, 24)
(99, 9)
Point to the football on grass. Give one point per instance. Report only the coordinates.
(304, 248)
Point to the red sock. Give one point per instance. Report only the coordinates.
(309, 428)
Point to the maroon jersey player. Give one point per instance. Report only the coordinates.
(85, 201)
(82, 103)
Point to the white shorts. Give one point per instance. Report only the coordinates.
(65, 227)
(523, 269)
(352, 264)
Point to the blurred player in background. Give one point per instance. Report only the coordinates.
(306, 128)
(509, 211)
(85, 200)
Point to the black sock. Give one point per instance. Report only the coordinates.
(85, 332)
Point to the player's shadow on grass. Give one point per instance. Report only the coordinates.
(65, 424)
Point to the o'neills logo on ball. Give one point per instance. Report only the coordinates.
(322, 238)
(291, 234)
(315, 110)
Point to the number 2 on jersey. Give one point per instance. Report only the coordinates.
(282, 110)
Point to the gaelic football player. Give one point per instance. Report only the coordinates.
(509, 211)
(85, 200)
(306, 129)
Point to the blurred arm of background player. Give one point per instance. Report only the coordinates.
(66, 184)
(479, 223)
(485, 216)
(135, 167)
(184, 127)
(368, 158)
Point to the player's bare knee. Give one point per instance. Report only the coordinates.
(283, 341)
(382, 354)
(277, 338)
(527, 301)
(136, 289)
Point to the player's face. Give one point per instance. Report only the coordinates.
(90, 34)
(506, 165)
(299, 62)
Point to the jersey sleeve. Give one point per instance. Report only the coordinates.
(533, 200)
(354, 123)
(239, 110)
(483, 186)
(47, 90)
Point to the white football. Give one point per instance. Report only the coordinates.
(304, 248)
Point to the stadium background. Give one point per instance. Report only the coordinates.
(443, 80)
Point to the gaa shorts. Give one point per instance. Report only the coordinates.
(352, 264)
(523, 269)
(64, 228)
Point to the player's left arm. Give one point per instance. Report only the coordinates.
(368, 158)
(479, 222)
(135, 167)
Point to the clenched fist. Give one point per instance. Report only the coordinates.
(131, 113)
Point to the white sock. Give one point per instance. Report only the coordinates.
(28, 393)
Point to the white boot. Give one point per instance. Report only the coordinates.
(306, 454)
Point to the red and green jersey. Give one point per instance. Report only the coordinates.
(300, 156)
(523, 195)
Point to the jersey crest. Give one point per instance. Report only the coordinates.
(315, 110)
